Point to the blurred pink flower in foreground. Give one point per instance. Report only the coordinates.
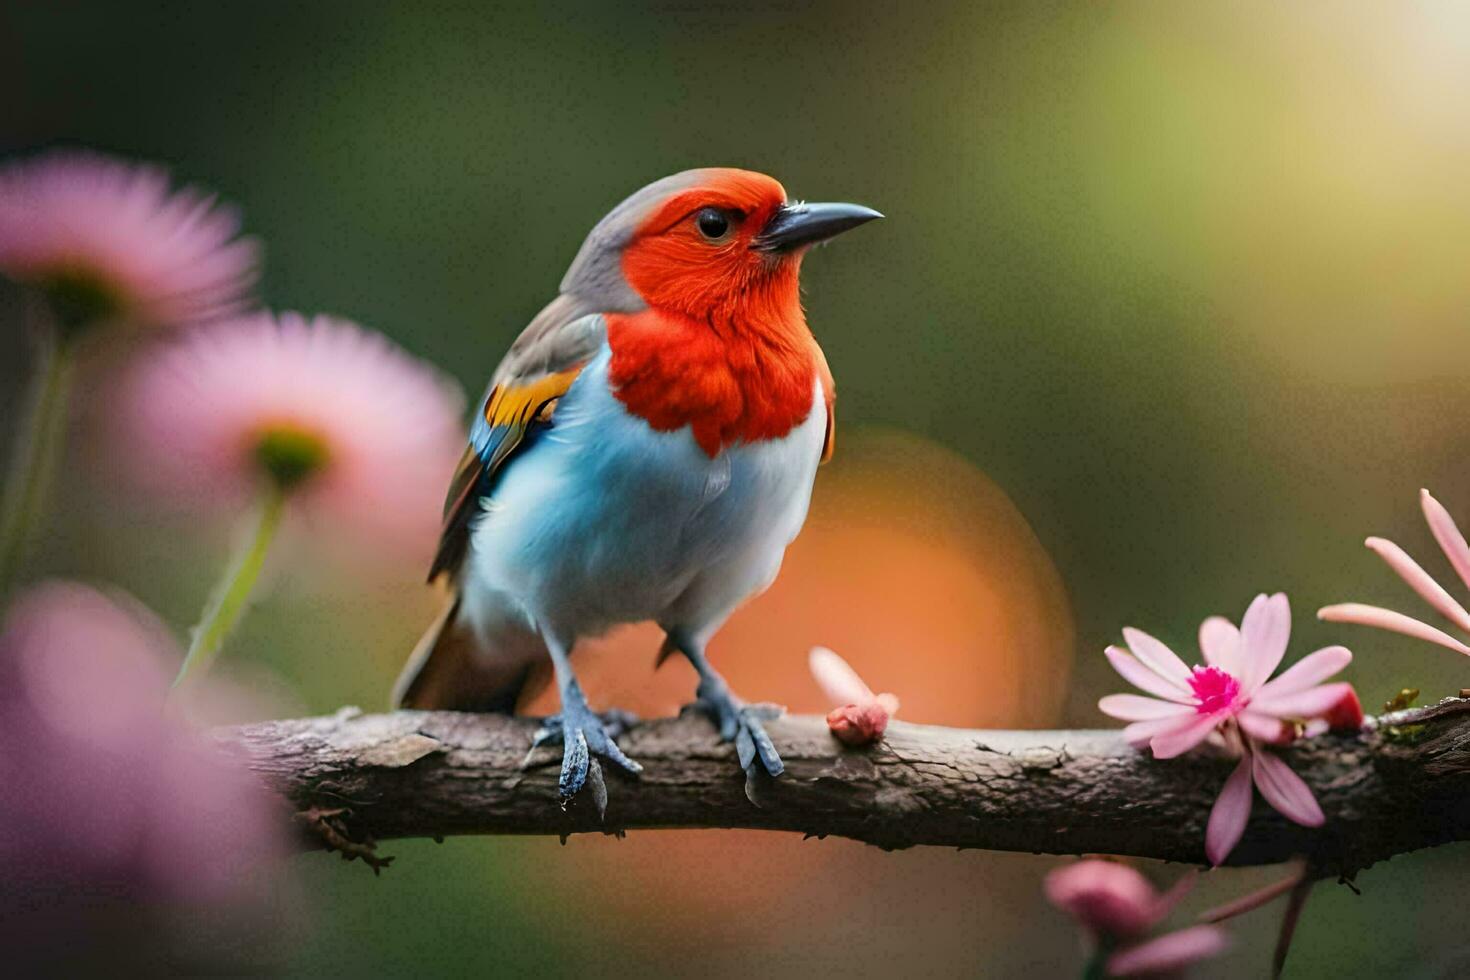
(861, 717)
(1232, 696)
(1118, 907)
(111, 811)
(345, 423)
(1452, 543)
(106, 238)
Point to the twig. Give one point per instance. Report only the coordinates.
(328, 826)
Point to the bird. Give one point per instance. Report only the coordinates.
(645, 451)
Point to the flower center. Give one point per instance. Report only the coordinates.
(1215, 689)
(289, 454)
(80, 296)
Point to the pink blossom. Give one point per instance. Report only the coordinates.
(1111, 899)
(355, 429)
(108, 802)
(107, 238)
(1452, 543)
(861, 717)
(1190, 703)
(1233, 696)
(1118, 908)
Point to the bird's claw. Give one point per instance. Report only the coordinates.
(585, 735)
(743, 725)
(615, 723)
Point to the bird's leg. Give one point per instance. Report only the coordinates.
(737, 721)
(582, 732)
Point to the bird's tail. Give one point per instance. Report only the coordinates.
(454, 669)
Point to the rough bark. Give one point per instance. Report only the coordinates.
(1400, 785)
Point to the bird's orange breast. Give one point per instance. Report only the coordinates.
(729, 385)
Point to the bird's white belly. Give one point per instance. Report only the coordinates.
(605, 521)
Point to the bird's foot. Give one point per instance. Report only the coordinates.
(742, 724)
(585, 735)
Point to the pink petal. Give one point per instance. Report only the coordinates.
(1451, 541)
(1229, 814)
(1142, 678)
(1314, 668)
(1184, 736)
(1219, 641)
(837, 679)
(1264, 727)
(1387, 619)
(1169, 952)
(1140, 733)
(888, 702)
(1135, 707)
(1284, 790)
(1264, 632)
(1157, 657)
(1314, 702)
(1429, 590)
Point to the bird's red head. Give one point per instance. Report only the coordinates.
(728, 242)
(696, 252)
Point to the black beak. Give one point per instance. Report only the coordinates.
(795, 225)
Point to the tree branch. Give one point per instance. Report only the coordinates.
(1403, 784)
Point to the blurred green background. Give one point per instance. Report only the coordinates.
(1188, 281)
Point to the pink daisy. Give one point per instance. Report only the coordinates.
(343, 422)
(318, 416)
(860, 716)
(1117, 908)
(1452, 543)
(110, 239)
(1232, 695)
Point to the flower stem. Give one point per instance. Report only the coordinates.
(1096, 967)
(233, 591)
(37, 453)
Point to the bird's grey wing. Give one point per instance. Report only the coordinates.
(537, 370)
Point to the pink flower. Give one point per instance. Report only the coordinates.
(110, 806)
(1190, 703)
(106, 238)
(349, 425)
(1232, 695)
(1118, 907)
(1452, 543)
(861, 717)
(1111, 899)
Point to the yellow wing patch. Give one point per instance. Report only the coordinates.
(516, 407)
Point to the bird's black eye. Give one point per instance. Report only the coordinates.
(713, 223)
